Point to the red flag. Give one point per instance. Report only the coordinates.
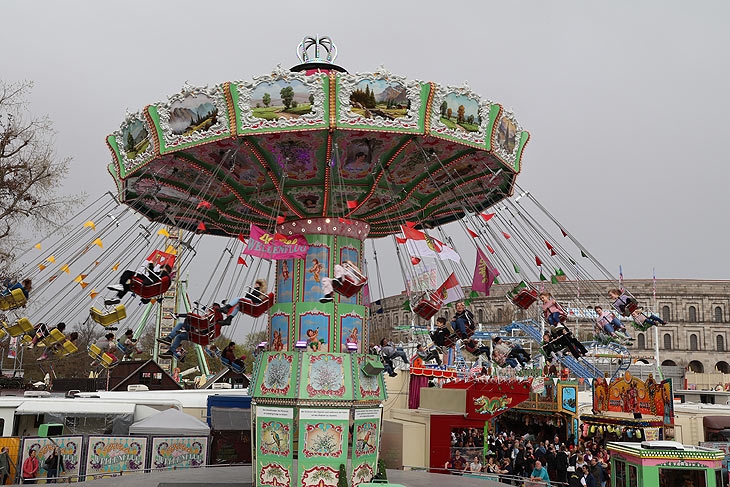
(241, 261)
(342, 220)
(279, 236)
(538, 261)
(201, 227)
(506, 235)
(491, 250)
(411, 224)
(450, 290)
(484, 274)
(415, 260)
(401, 240)
(240, 237)
(351, 204)
(280, 220)
(550, 247)
(487, 217)
(474, 235)
(563, 232)
(203, 204)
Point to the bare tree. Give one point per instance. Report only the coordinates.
(30, 170)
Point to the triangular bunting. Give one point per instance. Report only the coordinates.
(280, 220)
(401, 240)
(351, 204)
(41, 266)
(50, 279)
(164, 232)
(240, 237)
(474, 294)
(571, 261)
(90, 224)
(171, 250)
(411, 224)
(583, 254)
(201, 227)
(344, 220)
(506, 235)
(553, 279)
(65, 269)
(542, 277)
(474, 235)
(517, 269)
(203, 204)
(496, 281)
(407, 305)
(83, 284)
(538, 262)
(38, 246)
(486, 217)
(116, 266)
(51, 259)
(415, 260)
(467, 302)
(153, 301)
(93, 294)
(96, 263)
(78, 278)
(563, 232)
(491, 250)
(242, 261)
(97, 242)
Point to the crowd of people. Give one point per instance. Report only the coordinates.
(521, 460)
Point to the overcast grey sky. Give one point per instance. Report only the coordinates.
(627, 102)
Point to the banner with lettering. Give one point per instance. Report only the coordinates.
(277, 246)
(69, 447)
(275, 446)
(113, 454)
(366, 436)
(179, 452)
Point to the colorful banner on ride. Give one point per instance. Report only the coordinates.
(629, 394)
(366, 436)
(323, 441)
(179, 452)
(114, 454)
(485, 400)
(274, 446)
(276, 246)
(69, 447)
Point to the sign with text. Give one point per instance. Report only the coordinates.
(113, 454)
(179, 452)
(69, 448)
(276, 246)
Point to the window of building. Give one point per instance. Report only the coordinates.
(718, 314)
(667, 341)
(499, 314)
(620, 473)
(480, 315)
(150, 378)
(666, 315)
(720, 343)
(692, 314)
(641, 342)
(693, 342)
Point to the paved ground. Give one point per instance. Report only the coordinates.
(241, 476)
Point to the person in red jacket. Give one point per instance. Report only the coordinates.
(30, 468)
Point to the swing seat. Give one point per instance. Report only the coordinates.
(21, 327)
(428, 305)
(108, 319)
(26, 340)
(349, 285)
(256, 310)
(149, 291)
(630, 306)
(15, 299)
(104, 359)
(234, 367)
(67, 348)
(524, 298)
(3, 333)
(54, 336)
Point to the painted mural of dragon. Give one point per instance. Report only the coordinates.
(490, 405)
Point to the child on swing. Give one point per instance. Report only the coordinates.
(347, 267)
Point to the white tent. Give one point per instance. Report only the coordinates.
(170, 422)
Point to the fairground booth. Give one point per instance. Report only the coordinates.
(550, 410)
(664, 464)
(629, 409)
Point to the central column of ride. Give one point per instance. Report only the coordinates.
(314, 395)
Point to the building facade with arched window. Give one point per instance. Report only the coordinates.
(690, 307)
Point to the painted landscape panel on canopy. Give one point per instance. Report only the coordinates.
(194, 116)
(281, 102)
(132, 145)
(300, 155)
(458, 114)
(382, 101)
(509, 140)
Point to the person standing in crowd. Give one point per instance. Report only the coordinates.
(30, 468)
(561, 464)
(540, 473)
(4, 465)
(53, 465)
(598, 472)
(587, 480)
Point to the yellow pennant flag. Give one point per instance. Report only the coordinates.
(171, 250)
(164, 232)
(41, 266)
(96, 263)
(153, 301)
(116, 266)
(97, 242)
(51, 259)
(83, 284)
(90, 224)
(65, 269)
(93, 294)
(38, 246)
(78, 278)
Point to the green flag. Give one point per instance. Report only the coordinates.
(560, 272)
(473, 294)
(582, 254)
(496, 281)
(542, 277)
(407, 305)
(553, 279)
(517, 269)
(467, 302)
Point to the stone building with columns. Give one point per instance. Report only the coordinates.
(697, 312)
